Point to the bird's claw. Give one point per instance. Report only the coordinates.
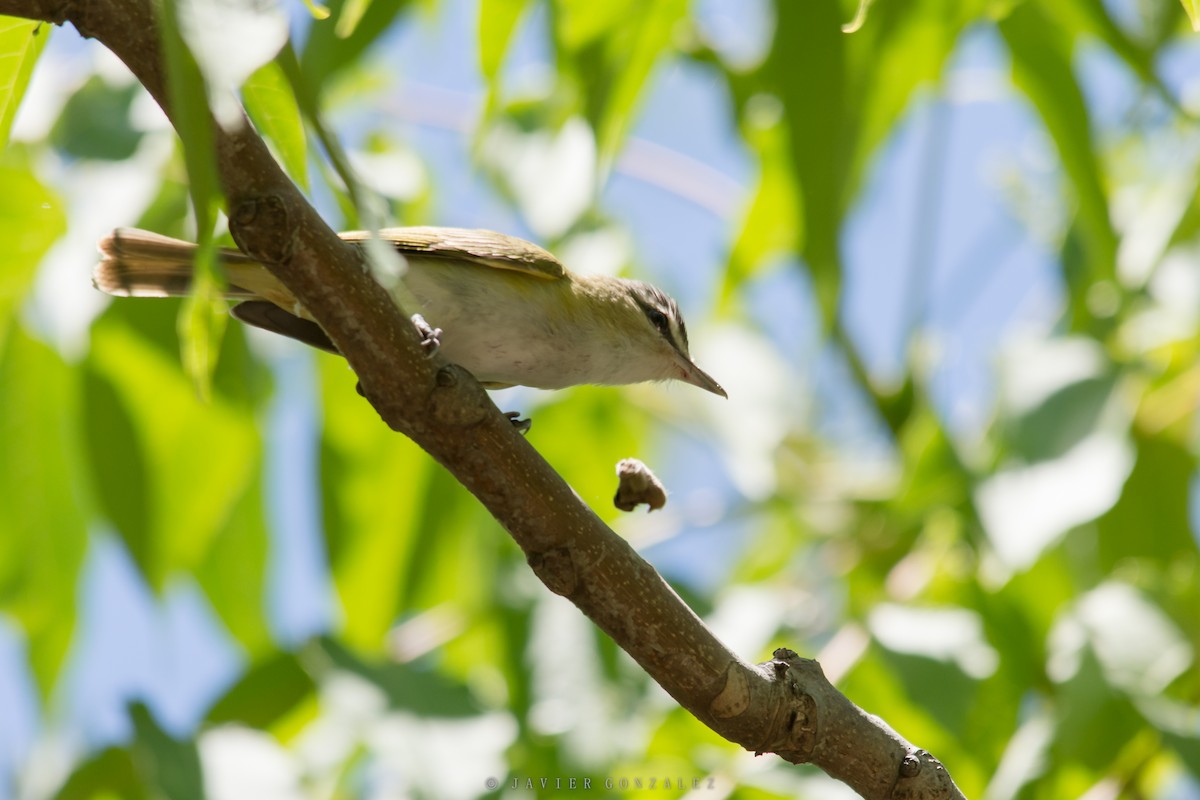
(431, 337)
(522, 425)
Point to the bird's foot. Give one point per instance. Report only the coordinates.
(431, 337)
(522, 425)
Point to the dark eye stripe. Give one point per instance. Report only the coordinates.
(662, 322)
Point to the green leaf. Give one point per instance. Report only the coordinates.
(118, 466)
(110, 771)
(272, 105)
(351, 14)
(317, 10)
(228, 40)
(1095, 721)
(21, 42)
(42, 499)
(31, 220)
(167, 766)
(903, 48)
(326, 53)
(772, 226)
(95, 122)
(1150, 520)
(233, 572)
(1192, 7)
(373, 487)
(1061, 420)
(266, 693)
(191, 118)
(807, 67)
(201, 459)
(497, 21)
(616, 46)
(421, 692)
(202, 322)
(1042, 69)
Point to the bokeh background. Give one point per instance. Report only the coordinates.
(944, 255)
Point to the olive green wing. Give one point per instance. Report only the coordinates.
(486, 248)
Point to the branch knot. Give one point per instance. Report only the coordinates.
(263, 229)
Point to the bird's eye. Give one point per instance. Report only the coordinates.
(659, 320)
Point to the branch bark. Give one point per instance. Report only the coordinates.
(785, 706)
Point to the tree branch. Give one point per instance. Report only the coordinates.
(785, 706)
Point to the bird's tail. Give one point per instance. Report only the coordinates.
(137, 263)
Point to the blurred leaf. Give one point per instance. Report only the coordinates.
(202, 321)
(118, 466)
(1094, 721)
(902, 47)
(1092, 16)
(497, 21)
(1062, 420)
(934, 477)
(773, 224)
(31, 220)
(807, 68)
(1180, 725)
(167, 213)
(326, 53)
(860, 17)
(1139, 649)
(1042, 69)
(168, 767)
(939, 653)
(95, 122)
(372, 486)
(272, 105)
(192, 24)
(1151, 518)
(1019, 616)
(451, 557)
(265, 694)
(318, 11)
(42, 495)
(351, 15)
(1192, 7)
(421, 692)
(201, 458)
(21, 42)
(191, 118)
(229, 40)
(111, 772)
(614, 47)
(233, 573)
(361, 209)
(580, 22)
(1025, 509)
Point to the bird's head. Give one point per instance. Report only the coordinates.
(657, 336)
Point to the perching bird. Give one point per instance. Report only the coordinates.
(506, 310)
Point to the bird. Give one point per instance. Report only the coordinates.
(506, 310)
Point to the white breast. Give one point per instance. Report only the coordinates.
(501, 326)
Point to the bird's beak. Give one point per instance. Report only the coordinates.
(690, 373)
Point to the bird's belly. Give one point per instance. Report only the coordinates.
(496, 324)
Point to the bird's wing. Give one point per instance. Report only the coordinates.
(270, 317)
(486, 248)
